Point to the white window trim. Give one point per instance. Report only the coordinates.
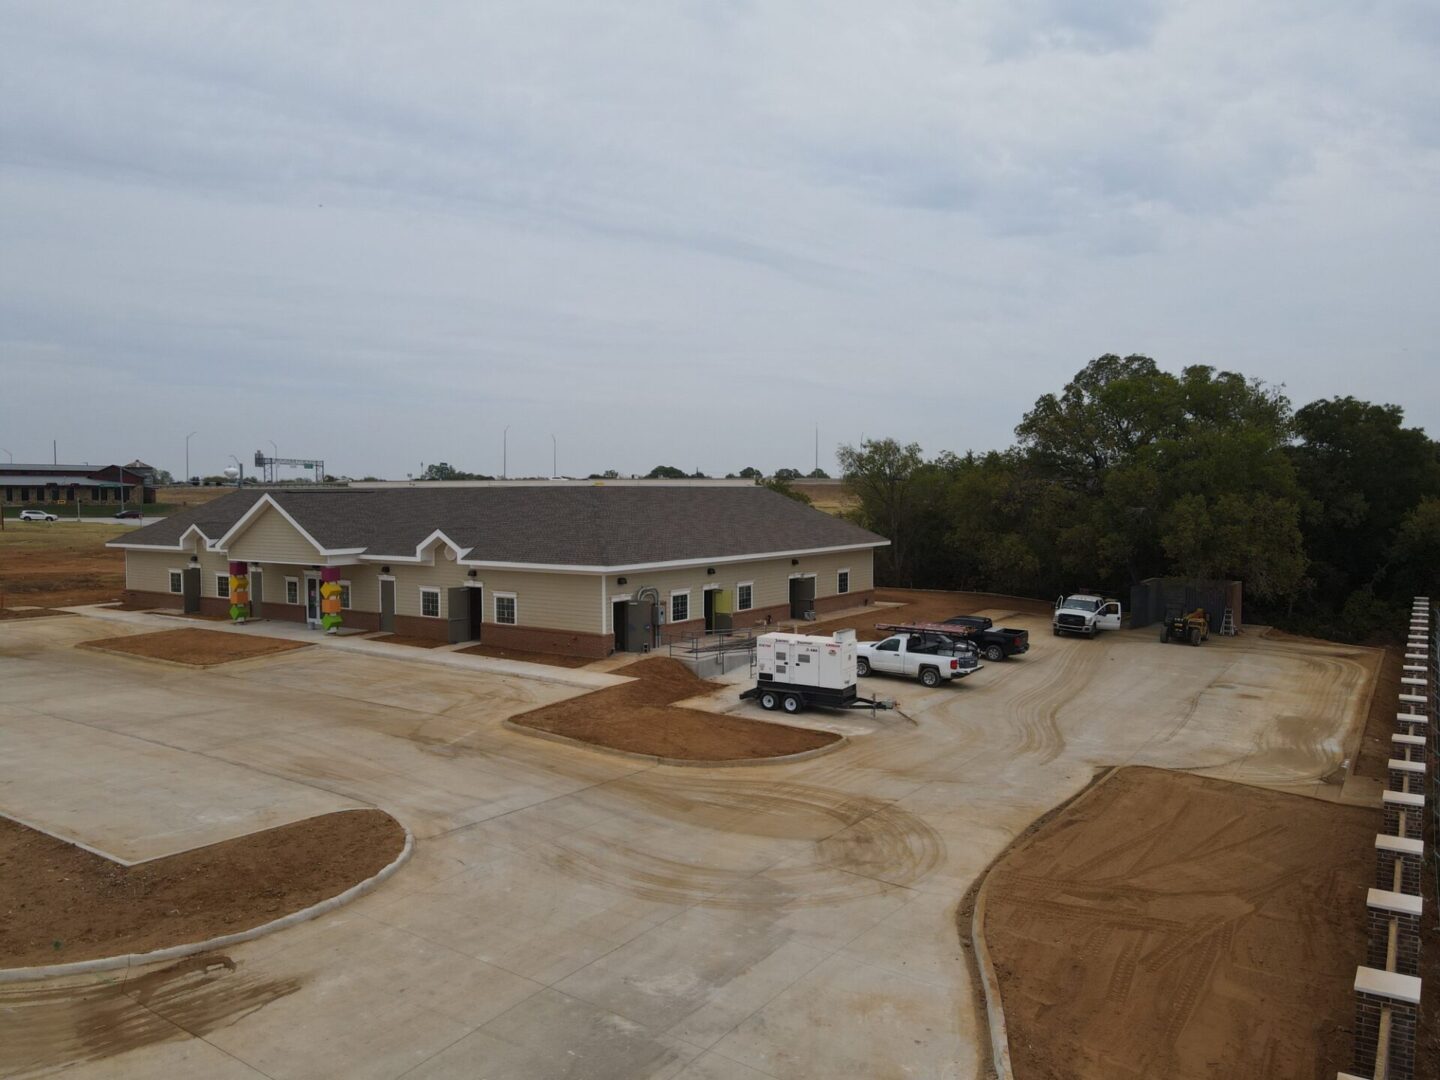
(346, 595)
(226, 578)
(496, 597)
(299, 598)
(742, 585)
(170, 581)
(439, 611)
(673, 594)
(839, 591)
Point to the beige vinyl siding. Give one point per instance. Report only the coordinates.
(270, 538)
(149, 571)
(771, 579)
(551, 601)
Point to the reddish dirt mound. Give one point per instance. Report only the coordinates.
(201, 648)
(527, 657)
(63, 904)
(638, 717)
(1173, 925)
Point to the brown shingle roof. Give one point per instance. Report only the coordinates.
(552, 526)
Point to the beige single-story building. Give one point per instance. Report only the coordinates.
(582, 569)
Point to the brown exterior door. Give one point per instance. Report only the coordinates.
(190, 589)
(387, 605)
(255, 593)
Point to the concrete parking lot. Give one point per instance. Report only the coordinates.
(573, 914)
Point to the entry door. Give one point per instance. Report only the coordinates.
(255, 593)
(477, 611)
(459, 621)
(619, 622)
(312, 601)
(387, 605)
(802, 596)
(190, 587)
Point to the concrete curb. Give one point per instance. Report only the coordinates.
(110, 963)
(654, 759)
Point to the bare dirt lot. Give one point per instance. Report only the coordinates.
(199, 648)
(63, 903)
(1375, 746)
(59, 564)
(638, 717)
(1173, 925)
(916, 605)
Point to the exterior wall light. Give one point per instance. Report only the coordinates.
(622, 581)
(472, 574)
(710, 570)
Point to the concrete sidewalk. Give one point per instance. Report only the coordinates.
(580, 677)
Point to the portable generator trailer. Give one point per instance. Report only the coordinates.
(799, 671)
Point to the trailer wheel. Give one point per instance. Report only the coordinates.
(792, 703)
(769, 700)
(862, 667)
(1194, 635)
(994, 653)
(929, 676)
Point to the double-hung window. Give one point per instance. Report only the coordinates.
(430, 603)
(680, 605)
(222, 586)
(842, 584)
(177, 581)
(505, 609)
(745, 596)
(345, 595)
(292, 590)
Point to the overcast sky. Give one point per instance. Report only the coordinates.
(689, 233)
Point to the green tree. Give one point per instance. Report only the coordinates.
(751, 473)
(787, 474)
(666, 472)
(881, 474)
(817, 474)
(782, 487)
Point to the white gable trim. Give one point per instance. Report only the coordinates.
(179, 545)
(420, 555)
(247, 518)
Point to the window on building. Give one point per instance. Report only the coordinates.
(222, 586)
(680, 606)
(505, 611)
(292, 590)
(430, 603)
(744, 596)
(345, 595)
(177, 581)
(843, 583)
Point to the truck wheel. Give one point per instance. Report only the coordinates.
(792, 703)
(1055, 630)
(862, 667)
(929, 676)
(994, 653)
(769, 701)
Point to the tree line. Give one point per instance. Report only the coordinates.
(1330, 513)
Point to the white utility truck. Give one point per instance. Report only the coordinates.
(797, 670)
(931, 652)
(1085, 613)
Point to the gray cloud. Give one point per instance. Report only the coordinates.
(692, 233)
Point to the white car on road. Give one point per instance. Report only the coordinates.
(37, 515)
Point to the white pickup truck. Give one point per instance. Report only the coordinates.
(1085, 614)
(932, 658)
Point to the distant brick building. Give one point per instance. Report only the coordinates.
(71, 483)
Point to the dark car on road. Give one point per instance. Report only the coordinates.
(133, 514)
(993, 644)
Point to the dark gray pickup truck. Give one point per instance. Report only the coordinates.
(993, 644)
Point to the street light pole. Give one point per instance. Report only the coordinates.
(554, 457)
(505, 454)
(240, 471)
(187, 454)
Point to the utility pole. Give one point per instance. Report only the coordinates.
(817, 448)
(505, 454)
(554, 458)
(187, 455)
(54, 453)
